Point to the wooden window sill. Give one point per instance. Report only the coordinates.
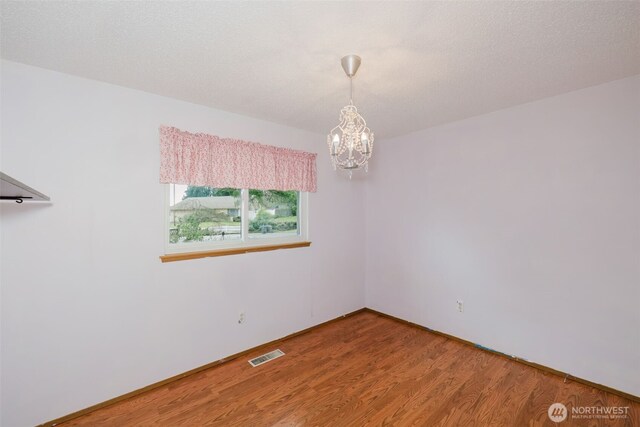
(235, 251)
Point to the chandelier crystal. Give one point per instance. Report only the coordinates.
(351, 142)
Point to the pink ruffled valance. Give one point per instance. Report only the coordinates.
(208, 160)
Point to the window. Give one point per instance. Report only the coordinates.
(206, 218)
(273, 214)
(224, 212)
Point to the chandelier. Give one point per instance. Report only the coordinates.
(351, 142)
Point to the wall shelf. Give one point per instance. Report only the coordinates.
(12, 189)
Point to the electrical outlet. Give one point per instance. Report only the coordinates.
(460, 305)
(241, 317)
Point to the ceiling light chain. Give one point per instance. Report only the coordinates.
(351, 142)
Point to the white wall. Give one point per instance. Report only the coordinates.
(88, 310)
(531, 216)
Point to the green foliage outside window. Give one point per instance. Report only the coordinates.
(201, 223)
(257, 198)
(194, 227)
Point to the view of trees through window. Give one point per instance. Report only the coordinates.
(200, 214)
(272, 212)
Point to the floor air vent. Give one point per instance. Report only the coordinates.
(266, 358)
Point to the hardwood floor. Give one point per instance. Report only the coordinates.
(364, 370)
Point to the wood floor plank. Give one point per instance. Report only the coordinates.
(363, 370)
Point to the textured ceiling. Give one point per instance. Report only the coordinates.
(424, 63)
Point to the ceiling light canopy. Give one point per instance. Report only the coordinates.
(351, 142)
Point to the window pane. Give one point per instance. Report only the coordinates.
(273, 213)
(204, 214)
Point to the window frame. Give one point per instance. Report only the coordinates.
(245, 241)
